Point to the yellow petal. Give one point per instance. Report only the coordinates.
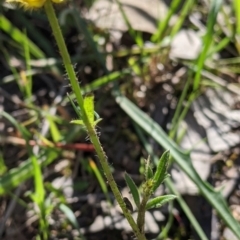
(58, 1)
(29, 4)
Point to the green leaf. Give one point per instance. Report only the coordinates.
(78, 122)
(3, 167)
(97, 121)
(39, 193)
(69, 214)
(89, 107)
(133, 188)
(159, 201)
(161, 171)
(71, 217)
(55, 133)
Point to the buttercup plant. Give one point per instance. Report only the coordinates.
(87, 115)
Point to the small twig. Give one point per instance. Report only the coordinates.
(68, 146)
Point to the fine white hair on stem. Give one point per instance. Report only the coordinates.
(67, 85)
(87, 138)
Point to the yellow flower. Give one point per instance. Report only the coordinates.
(31, 4)
(58, 1)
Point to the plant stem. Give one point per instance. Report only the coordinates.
(91, 130)
(147, 192)
(141, 213)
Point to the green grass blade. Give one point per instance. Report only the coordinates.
(134, 34)
(185, 11)
(3, 167)
(236, 6)
(55, 133)
(25, 133)
(221, 45)
(39, 194)
(28, 80)
(176, 120)
(20, 174)
(19, 37)
(100, 82)
(215, 198)
(71, 217)
(100, 179)
(163, 24)
(13, 70)
(212, 18)
(39, 197)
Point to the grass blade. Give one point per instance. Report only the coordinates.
(100, 179)
(236, 5)
(19, 37)
(100, 82)
(71, 217)
(20, 174)
(39, 193)
(185, 11)
(162, 26)
(212, 18)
